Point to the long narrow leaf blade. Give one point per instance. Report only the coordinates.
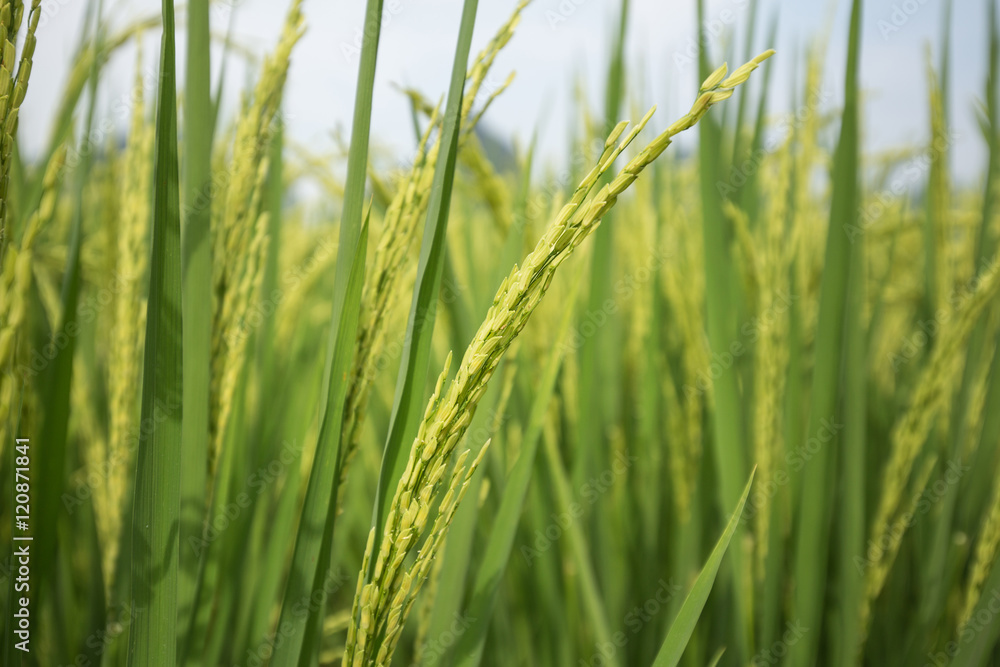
(196, 264)
(813, 536)
(683, 626)
(310, 559)
(409, 400)
(156, 518)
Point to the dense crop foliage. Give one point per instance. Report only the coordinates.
(739, 407)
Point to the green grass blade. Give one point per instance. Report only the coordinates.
(196, 264)
(985, 248)
(600, 367)
(220, 84)
(155, 523)
(58, 377)
(597, 354)
(851, 514)
(683, 626)
(310, 560)
(741, 108)
(752, 189)
(408, 403)
(313, 543)
(355, 285)
(594, 609)
(729, 437)
(944, 66)
(812, 532)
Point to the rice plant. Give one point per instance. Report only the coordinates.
(732, 406)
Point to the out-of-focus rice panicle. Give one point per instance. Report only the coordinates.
(985, 556)
(910, 432)
(240, 233)
(128, 325)
(684, 288)
(16, 279)
(771, 350)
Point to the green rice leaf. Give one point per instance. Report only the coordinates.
(683, 626)
(411, 384)
(313, 544)
(58, 376)
(729, 437)
(196, 264)
(156, 518)
(813, 528)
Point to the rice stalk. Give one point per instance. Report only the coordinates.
(408, 207)
(382, 605)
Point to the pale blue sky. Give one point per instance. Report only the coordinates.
(557, 41)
